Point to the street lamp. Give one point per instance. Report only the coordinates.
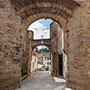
(42, 40)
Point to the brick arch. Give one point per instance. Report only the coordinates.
(42, 9)
(29, 20)
(30, 10)
(46, 42)
(61, 10)
(65, 14)
(53, 5)
(70, 4)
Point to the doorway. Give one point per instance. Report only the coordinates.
(60, 65)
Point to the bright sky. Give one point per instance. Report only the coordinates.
(41, 46)
(41, 27)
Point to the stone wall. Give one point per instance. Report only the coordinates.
(78, 48)
(34, 61)
(10, 47)
(77, 38)
(25, 56)
(56, 32)
(30, 38)
(57, 40)
(54, 48)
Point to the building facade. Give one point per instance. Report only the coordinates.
(47, 60)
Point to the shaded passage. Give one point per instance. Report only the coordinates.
(43, 81)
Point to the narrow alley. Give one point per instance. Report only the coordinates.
(42, 80)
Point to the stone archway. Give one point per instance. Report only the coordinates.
(31, 44)
(46, 42)
(30, 11)
(73, 16)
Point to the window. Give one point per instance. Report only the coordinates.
(48, 58)
(48, 63)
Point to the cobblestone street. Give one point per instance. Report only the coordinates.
(43, 81)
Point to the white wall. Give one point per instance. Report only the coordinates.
(34, 63)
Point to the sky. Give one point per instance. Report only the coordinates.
(42, 46)
(41, 27)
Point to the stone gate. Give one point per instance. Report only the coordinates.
(46, 42)
(74, 18)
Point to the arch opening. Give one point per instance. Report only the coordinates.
(41, 28)
(55, 32)
(41, 59)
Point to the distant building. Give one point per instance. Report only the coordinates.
(45, 59)
(40, 58)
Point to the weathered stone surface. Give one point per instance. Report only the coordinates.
(74, 17)
(10, 47)
(57, 39)
(2, 5)
(30, 38)
(78, 49)
(46, 42)
(54, 27)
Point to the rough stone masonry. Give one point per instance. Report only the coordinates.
(72, 15)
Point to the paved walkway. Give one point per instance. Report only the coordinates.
(42, 81)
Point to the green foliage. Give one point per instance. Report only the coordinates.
(46, 68)
(43, 51)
